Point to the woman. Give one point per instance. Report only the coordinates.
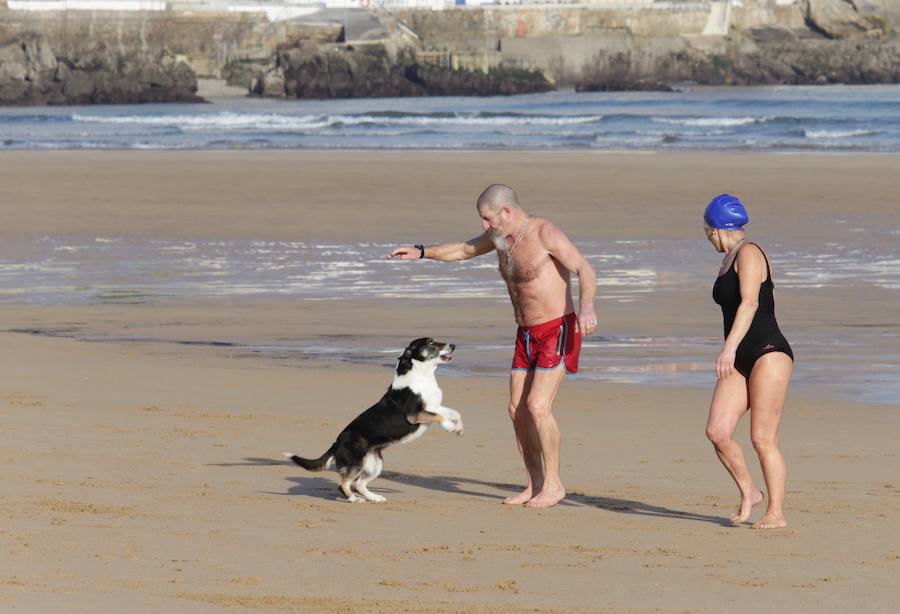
(755, 365)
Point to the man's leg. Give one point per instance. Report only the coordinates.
(539, 403)
(526, 435)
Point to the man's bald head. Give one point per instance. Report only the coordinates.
(496, 196)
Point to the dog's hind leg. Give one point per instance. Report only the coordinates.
(371, 468)
(347, 481)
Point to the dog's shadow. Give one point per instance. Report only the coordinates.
(326, 488)
(318, 487)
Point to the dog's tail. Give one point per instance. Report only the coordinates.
(314, 464)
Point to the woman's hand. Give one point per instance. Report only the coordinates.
(725, 363)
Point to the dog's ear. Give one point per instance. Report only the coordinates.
(408, 352)
(414, 346)
(405, 362)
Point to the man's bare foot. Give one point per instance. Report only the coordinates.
(743, 512)
(771, 521)
(520, 498)
(548, 497)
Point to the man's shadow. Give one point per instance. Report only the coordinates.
(325, 488)
(623, 506)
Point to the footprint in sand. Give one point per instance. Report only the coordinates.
(18, 399)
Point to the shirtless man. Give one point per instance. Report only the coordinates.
(536, 259)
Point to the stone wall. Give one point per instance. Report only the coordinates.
(207, 41)
(569, 42)
(475, 29)
(659, 42)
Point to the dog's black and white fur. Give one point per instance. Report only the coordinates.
(407, 409)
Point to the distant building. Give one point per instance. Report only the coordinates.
(284, 9)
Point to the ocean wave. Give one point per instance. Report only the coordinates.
(711, 121)
(838, 134)
(214, 121)
(260, 121)
(824, 119)
(488, 118)
(34, 119)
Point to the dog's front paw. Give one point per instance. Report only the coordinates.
(355, 499)
(376, 498)
(453, 424)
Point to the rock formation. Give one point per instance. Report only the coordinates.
(764, 56)
(32, 74)
(369, 71)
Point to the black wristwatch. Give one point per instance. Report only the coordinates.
(421, 249)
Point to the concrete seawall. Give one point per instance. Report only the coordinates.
(207, 40)
(478, 38)
(565, 42)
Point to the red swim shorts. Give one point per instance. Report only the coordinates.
(544, 346)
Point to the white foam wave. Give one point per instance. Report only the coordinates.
(274, 121)
(470, 120)
(710, 121)
(837, 134)
(225, 119)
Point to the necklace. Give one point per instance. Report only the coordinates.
(732, 250)
(509, 250)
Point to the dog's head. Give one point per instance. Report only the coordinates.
(426, 351)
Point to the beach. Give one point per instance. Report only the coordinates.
(144, 423)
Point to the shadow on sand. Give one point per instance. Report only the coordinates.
(326, 488)
(623, 506)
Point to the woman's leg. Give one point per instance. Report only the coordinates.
(768, 388)
(729, 403)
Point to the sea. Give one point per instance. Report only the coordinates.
(863, 365)
(780, 118)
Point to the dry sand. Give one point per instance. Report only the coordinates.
(146, 477)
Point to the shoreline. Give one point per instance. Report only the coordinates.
(313, 353)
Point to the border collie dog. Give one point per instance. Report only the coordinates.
(407, 409)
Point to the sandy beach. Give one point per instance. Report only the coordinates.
(142, 466)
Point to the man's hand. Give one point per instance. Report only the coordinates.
(407, 252)
(587, 321)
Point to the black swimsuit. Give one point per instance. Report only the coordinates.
(764, 335)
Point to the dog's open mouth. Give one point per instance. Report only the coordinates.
(446, 354)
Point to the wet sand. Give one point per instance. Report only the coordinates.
(147, 475)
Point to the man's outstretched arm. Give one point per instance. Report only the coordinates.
(446, 252)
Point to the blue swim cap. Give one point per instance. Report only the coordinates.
(726, 213)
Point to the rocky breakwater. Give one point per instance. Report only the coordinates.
(31, 73)
(345, 71)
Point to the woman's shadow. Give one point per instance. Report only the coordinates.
(325, 488)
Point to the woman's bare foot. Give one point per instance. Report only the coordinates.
(743, 512)
(522, 497)
(548, 497)
(771, 521)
